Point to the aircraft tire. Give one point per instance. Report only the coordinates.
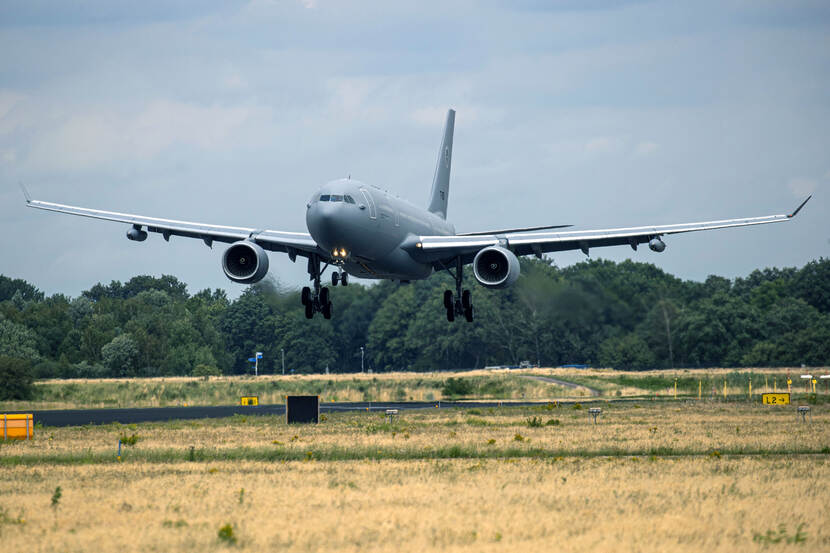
(309, 311)
(450, 314)
(468, 314)
(448, 300)
(466, 299)
(324, 297)
(335, 278)
(344, 279)
(327, 311)
(305, 296)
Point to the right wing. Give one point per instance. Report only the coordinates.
(294, 243)
(440, 250)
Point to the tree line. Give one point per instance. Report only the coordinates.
(624, 315)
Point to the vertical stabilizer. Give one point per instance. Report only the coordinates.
(441, 181)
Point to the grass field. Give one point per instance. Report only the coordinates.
(483, 384)
(651, 476)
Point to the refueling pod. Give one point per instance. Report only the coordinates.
(136, 234)
(496, 267)
(656, 245)
(245, 262)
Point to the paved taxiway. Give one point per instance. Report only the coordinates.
(80, 417)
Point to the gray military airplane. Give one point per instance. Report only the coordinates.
(366, 232)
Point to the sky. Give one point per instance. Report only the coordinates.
(593, 113)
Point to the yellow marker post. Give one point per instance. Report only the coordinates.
(814, 385)
(675, 388)
(750, 387)
(789, 385)
(775, 385)
(699, 389)
(766, 383)
(724, 389)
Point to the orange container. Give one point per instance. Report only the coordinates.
(17, 427)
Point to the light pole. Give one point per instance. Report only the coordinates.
(282, 351)
(361, 358)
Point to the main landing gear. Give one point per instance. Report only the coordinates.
(462, 304)
(317, 301)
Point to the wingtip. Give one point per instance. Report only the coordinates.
(794, 213)
(25, 193)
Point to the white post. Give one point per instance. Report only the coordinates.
(282, 351)
(361, 358)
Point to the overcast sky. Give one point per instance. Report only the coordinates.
(593, 113)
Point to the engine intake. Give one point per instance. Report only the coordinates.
(245, 262)
(496, 267)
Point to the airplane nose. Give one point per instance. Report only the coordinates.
(321, 220)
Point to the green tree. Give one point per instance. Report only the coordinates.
(16, 380)
(120, 355)
(17, 341)
(629, 352)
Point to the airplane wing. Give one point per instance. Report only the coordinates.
(442, 249)
(294, 243)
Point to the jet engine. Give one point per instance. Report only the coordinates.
(496, 267)
(245, 262)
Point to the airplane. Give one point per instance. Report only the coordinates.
(366, 232)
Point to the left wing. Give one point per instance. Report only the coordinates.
(294, 243)
(439, 249)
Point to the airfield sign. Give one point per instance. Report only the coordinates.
(775, 399)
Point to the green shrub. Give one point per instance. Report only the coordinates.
(206, 370)
(227, 535)
(457, 387)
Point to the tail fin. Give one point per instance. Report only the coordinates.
(441, 181)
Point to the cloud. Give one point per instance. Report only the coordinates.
(603, 145)
(645, 148)
(93, 137)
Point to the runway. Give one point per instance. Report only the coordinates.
(80, 417)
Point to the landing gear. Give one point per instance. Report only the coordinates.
(462, 304)
(342, 278)
(316, 301)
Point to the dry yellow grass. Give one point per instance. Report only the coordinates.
(647, 478)
(602, 504)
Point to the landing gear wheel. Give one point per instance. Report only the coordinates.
(327, 310)
(450, 314)
(309, 311)
(448, 300)
(305, 296)
(335, 278)
(466, 300)
(344, 279)
(324, 297)
(468, 314)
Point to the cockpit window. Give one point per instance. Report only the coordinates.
(348, 199)
(336, 198)
(324, 197)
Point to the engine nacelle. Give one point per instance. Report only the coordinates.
(496, 267)
(136, 234)
(656, 245)
(245, 262)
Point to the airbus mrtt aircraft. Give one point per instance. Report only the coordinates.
(366, 232)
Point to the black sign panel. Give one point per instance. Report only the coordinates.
(302, 409)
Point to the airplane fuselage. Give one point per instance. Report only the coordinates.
(369, 226)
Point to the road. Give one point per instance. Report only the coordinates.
(80, 417)
(565, 383)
